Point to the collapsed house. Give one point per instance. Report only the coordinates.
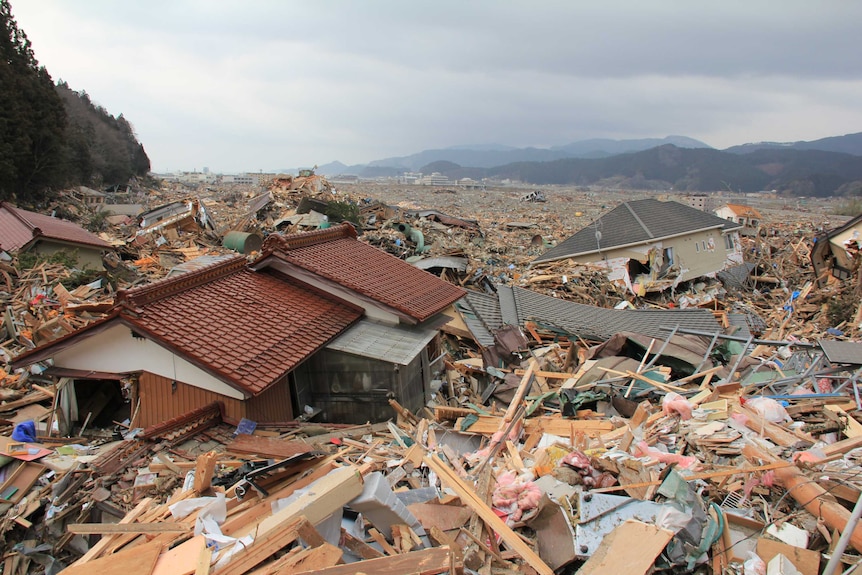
(749, 217)
(649, 245)
(22, 231)
(836, 252)
(319, 320)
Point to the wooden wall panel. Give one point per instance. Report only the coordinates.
(273, 405)
(160, 403)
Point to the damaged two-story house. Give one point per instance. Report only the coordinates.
(320, 319)
(649, 245)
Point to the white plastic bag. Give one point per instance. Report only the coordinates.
(769, 409)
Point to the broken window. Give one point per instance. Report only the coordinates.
(728, 242)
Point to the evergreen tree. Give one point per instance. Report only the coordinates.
(32, 119)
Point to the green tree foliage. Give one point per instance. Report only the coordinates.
(52, 136)
(32, 119)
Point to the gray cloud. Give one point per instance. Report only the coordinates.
(272, 84)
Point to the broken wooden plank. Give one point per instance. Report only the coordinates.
(204, 471)
(631, 548)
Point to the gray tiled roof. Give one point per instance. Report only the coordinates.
(481, 313)
(575, 319)
(637, 221)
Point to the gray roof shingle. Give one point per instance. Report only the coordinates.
(635, 222)
(575, 319)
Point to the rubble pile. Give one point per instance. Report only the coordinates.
(626, 443)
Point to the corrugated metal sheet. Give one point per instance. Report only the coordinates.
(159, 402)
(394, 344)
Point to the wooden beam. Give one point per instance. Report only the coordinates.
(263, 547)
(105, 542)
(110, 528)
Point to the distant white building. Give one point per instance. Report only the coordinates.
(435, 179)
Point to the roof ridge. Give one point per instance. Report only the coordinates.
(636, 217)
(304, 239)
(16, 211)
(138, 297)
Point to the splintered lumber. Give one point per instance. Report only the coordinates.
(469, 498)
(237, 525)
(489, 424)
(423, 562)
(138, 560)
(103, 543)
(110, 528)
(630, 548)
(809, 494)
(263, 547)
(771, 431)
(204, 471)
(853, 428)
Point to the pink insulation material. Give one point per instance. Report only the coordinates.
(590, 476)
(675, 404)
(642, 449)
(515, 495)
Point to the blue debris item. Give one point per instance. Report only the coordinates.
(245, 427)
(834, 331)
(25, 431)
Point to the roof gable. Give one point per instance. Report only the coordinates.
(338, 256)
(636, 222)
(20, 227)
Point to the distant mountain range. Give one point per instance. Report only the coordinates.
(830, 166)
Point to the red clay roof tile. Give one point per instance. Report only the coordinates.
(336, 254)
(250, 328)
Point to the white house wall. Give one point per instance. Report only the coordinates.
(838, 242)
(697, 255)
(116, 351)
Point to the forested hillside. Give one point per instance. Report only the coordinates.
(51, 136)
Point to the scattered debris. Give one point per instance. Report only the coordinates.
(564, 423)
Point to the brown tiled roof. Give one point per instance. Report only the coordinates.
(19, 227)
(741, 210)
(337, 255)
(247, 328)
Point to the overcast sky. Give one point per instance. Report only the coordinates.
(263, 85)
